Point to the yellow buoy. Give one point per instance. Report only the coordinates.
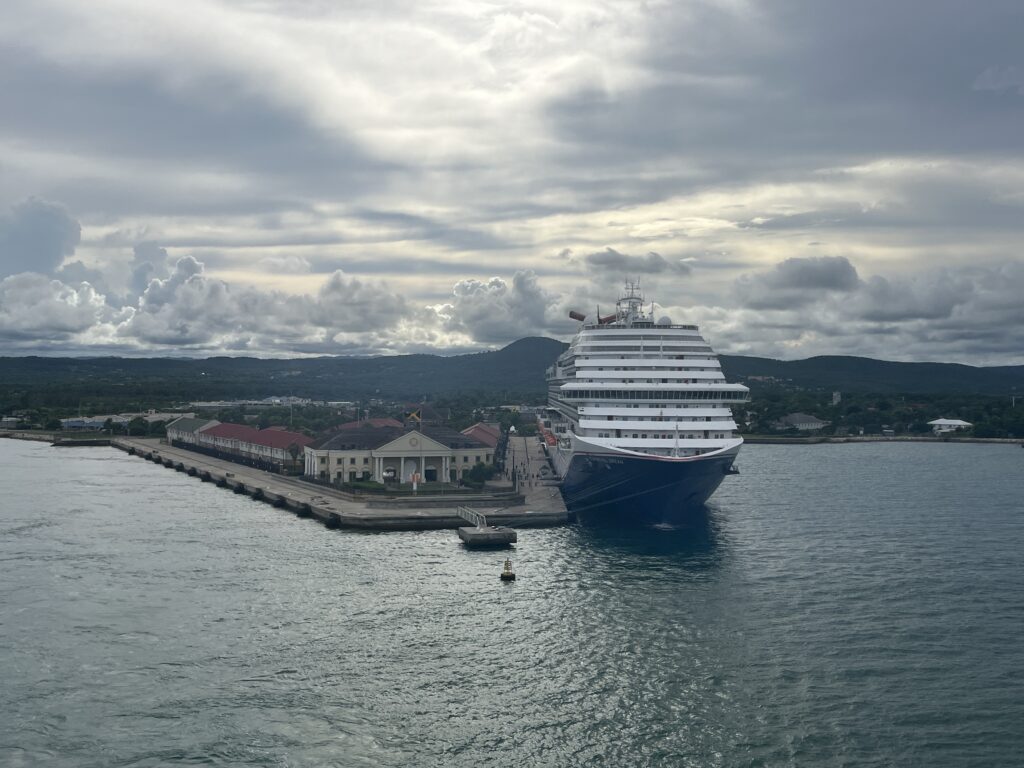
(508, 574)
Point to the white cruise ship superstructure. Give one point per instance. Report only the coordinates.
(642, 417)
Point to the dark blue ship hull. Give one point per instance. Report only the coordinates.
(599, 488)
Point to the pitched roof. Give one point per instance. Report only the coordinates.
(451, 438)
(357, 438)
(187, 424)
(377, 423)
(427, 412)
(278, 437)
(232, 432)
(801, 418)
(272, 437)
(485, 433)
(368, 438)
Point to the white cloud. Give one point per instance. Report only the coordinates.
(496, 312)
(287, 264)
(187, 309)
(35, 307)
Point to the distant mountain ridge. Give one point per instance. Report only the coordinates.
(516, 369)
(865, 374)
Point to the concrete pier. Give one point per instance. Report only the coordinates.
(481, 534)
(490, 536)
(336, 509)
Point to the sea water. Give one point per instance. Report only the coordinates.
(842, 605)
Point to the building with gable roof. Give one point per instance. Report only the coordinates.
(945, 426)
(488, 434)
(394, 454)
(184, 432)
(272, 448)
(803, 422)
(386, 421)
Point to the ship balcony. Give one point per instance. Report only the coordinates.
(602, 412)
(658, 375)
(663, 446)
(654, 363)
(647, 427)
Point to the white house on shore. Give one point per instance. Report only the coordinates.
(803, 422)
(945, 426)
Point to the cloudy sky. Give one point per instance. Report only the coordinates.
(294, 177)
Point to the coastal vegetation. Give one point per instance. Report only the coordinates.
(875, 395)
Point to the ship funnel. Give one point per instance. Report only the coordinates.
(577, 315)
(605, 320)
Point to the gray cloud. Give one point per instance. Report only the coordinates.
(797, 282)
(927, 297)
(149, 262)
(73, 272)
(216, 125)
(785, 87)
(1001, 79)
(964, 313)
(259, 143)
(36, 236)
(285, 264)
(649, 264)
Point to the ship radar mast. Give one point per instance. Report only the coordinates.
(630, 308)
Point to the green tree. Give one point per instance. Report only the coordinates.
(479, 473)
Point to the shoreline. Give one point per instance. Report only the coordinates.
(815, 439)
(69, 440)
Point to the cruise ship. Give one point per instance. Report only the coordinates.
(641, 429)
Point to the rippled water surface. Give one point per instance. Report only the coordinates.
(845, 605)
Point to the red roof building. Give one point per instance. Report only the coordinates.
(488, 434)
(377, 423)
(270, 445)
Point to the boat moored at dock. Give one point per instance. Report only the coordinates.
(640, 410)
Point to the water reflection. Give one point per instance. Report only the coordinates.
(696, 544)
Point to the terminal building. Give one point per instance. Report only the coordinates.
(389, 454)
(273, 448)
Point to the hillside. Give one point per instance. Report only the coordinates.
(863, 374)
(516, 370)
(63, 382)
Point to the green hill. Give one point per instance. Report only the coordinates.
(516, 370)
(864, 374)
